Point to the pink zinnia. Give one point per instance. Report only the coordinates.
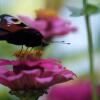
(33, 73)
(81, 90)
(49, 24)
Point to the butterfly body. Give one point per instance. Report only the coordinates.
(18, 34)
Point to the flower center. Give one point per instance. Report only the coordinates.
(44, 14)
(24, 54)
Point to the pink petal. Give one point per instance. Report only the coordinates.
(8, 62)
(5, 82)
(44, 80)
(37, 24)
(5, 62)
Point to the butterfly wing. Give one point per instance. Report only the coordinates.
(10, 24)
(16, 32)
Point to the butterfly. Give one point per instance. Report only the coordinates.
(16, 32)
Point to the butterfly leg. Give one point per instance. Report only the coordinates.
(21, 49)
(31, 49)
(27, 49)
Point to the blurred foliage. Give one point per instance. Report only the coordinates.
(90, 9)
(23, 7)
(7, 50)
(98, 43)
(4, 94)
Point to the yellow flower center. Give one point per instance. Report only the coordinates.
(24, 53)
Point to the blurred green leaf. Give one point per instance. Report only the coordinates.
(90, 9)
(75, 11)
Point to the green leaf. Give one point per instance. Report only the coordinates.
(75, 12)
(90, 9)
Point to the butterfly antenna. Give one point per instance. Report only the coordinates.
(58, 42)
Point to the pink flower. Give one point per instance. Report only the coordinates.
(81, 90)
(33, 73)
(49, 25)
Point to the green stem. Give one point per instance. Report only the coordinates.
(90, 49)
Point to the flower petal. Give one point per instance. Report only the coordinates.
(5, 62)
(44, 80)
(37, 24)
